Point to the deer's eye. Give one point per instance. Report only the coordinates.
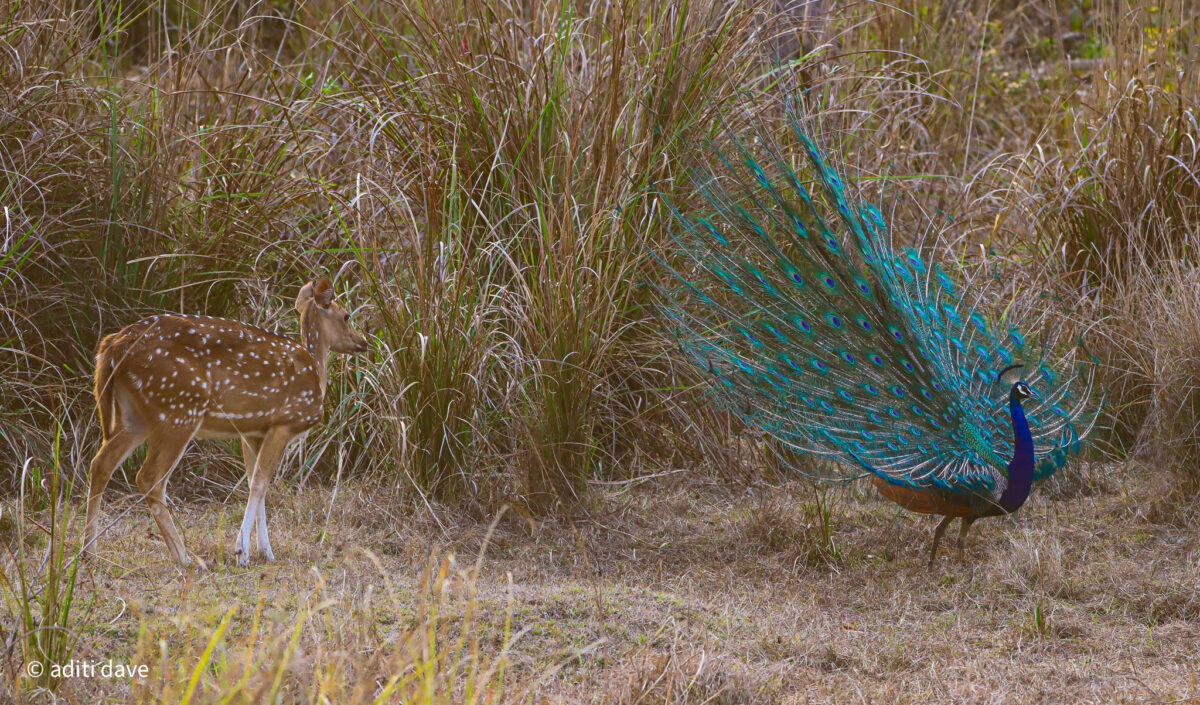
(346, 317)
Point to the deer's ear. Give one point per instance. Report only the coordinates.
(323, 292)
(305, 295)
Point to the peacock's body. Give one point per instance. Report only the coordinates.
(821, 334)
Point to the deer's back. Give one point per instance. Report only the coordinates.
(231, 378)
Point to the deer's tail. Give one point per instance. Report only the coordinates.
(106, 404)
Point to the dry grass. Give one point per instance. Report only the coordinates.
(668, 593)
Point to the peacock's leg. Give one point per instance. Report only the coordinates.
(962, 535)
(937, 537)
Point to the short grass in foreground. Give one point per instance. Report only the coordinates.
(666, 593)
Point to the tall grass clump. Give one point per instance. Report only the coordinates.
(513, 156)
(53, 185)
(1118, 213)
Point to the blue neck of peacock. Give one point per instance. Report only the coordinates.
(1020, 470)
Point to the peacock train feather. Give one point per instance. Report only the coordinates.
(821, 333)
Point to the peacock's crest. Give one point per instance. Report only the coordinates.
(821, 333)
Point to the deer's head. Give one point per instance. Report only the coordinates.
(325, 319)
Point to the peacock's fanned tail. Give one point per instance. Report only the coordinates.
(821, 334)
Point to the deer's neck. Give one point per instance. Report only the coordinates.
(317, 345)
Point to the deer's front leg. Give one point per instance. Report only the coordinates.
(250, 446)
(266, 459)
(264, 541)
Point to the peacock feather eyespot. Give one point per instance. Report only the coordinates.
(834, 320)
(826, 406)
(792, 363)
(872, 390)
(845, 355)
(1018, 341)
(915, 431)
(797, 278)
(863, 286)
(863, 322)
(893, 412)
(775, 331)
(917, 410)
(714, 232)
(897, 391)
(925, 393)
(844, 394)
(729, 280)
(874, 416)
(820, 366)
(753, 340)
(828, 281)
(896, 333)
(906, 364)
(1004, 355)
(802, 324)
(938, 386)
(867, 435)
(875, 358)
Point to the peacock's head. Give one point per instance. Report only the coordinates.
(1020, 390)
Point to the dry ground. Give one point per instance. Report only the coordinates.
(684, 590)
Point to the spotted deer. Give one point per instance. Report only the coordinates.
(170, 378)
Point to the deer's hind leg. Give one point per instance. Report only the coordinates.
(115, 450)
(165, 448)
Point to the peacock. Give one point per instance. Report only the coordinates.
(820, 333)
